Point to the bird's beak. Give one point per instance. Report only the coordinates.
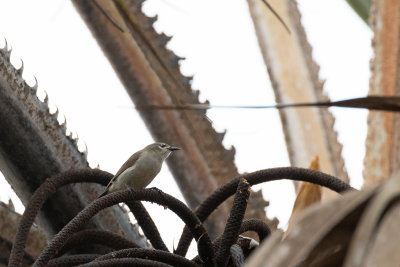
(172, 148)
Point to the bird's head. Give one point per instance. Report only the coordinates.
(162, 149)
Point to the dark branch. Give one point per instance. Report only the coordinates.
(256, 225)
(232, 228)
(151, 254)
(96, 236)
(147, 224)
(128, 262)
(237, 255)
(48, 188)
(227, 190)
(84, 216)
(72, 260)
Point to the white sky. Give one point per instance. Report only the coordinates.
(218, 41)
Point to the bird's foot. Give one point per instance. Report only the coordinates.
(131, 190)
(156, 189)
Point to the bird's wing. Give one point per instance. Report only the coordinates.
(129, 163)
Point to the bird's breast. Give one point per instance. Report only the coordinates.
(142, 172)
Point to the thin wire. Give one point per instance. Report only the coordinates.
(108, 16)
(277, 15)
(384, 103)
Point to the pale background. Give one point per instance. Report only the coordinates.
(218, 41)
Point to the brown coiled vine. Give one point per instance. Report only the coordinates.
(228, 249)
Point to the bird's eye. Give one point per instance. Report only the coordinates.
(163, 145)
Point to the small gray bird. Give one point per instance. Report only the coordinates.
(140, 169)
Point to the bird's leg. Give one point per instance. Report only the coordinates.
(156, 189)
(160, 192)
(131, 190)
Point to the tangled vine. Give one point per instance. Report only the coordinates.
(229, 248)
